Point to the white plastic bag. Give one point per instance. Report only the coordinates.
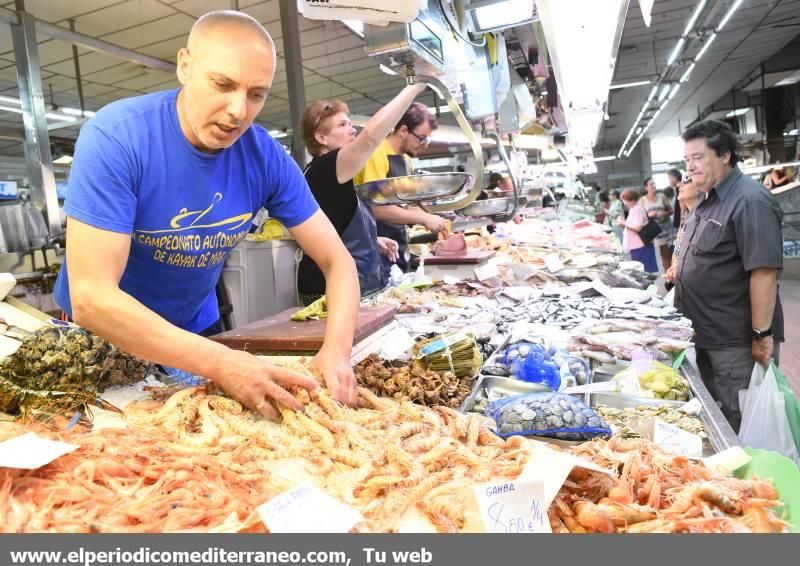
(764, 422)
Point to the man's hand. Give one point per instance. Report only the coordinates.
(258, 385)
(388, 248)
(671, 274)
(434, 223)
(620, 221)
(762, 350)
(335, 369)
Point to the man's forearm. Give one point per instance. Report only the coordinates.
(399, 215)
(763, 295)
(122, 320)
(343, 299)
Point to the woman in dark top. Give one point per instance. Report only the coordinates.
(339, 154)
(675, 179)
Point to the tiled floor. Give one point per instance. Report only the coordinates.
(790, 350)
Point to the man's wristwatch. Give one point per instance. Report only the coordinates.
(761, 334)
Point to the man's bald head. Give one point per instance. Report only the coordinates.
(226, 71)
(208, 23)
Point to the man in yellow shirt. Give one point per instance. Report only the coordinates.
(392, 159)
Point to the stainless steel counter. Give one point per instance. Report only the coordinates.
(720, 433)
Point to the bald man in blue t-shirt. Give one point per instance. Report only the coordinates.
(164, 186)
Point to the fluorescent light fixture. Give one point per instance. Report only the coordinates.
(278, 134)
(737, 112)
(695, 15)
(652, 93)
(790, 80)
(688, 72)
(76, 112)
(707, 44)
(628, 85)
(638, 130)
(356, 26)
(63, 160)
(728, 14)
(793, 132)
(673, 91)
(676, 51)
(67, 116)
(664, 92)
(653, 119)
(61, 117)
(501, 15)
(387, 70)
(605, 158)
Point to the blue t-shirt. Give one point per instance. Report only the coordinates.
(134, 172)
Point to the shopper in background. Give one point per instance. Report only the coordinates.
(616, 210)
(731, 253)
(659, 208)
(602, 207)
(780, 176)
(631, 242)
(687, 201)
(163, 187)
(339, 154)
(496, 185)
(410, 136)
(675, 178)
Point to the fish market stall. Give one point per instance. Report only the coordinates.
(453, 395)
(550, 360)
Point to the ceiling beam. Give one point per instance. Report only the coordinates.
(12, 134)
(93, 44)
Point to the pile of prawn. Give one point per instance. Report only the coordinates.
(124, 480)
(384, 458)
(658, 492)
(200, 462)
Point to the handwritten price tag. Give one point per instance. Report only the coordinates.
(513, 507)
(29, 452)
(307, 509)
(553, 262)
(484, 272)
(677, 440)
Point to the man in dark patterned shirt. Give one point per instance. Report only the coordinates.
(727, 274)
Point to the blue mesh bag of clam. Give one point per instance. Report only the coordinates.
(554, 415)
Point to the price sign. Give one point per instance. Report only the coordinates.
(513, 507)
(677, 440)
(29, 452)
(553, 262)
(484, 272)
(307, 509)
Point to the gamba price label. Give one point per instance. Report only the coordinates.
(513, 507)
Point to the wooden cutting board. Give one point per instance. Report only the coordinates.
(280, 334)
(469, 257)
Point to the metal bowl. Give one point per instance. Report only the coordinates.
(491, 207)
(413, 188)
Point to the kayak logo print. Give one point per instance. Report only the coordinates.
(191, 242)
(177, 224)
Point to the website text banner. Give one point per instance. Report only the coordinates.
(401, 550)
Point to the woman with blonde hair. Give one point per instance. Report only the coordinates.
(338, 155)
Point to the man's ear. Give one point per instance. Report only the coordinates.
(184, 62)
